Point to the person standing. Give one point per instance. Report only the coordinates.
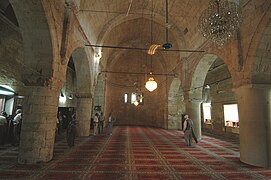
(96, 121)
(101, 123)
(3, 129)
(17, 122)
(110, 123)
(188, 130)
(60, 122)
(71, 131)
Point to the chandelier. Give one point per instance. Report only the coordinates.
(220, 21)
(151, 84)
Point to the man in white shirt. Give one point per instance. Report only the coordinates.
(17, 122)
(18, 117)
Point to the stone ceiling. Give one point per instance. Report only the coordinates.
(139, 23)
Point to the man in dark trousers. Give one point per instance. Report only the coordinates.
(101, 123)
(71, 131)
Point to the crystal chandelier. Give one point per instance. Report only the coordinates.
(220, 21)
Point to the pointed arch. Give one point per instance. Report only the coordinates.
(37, 40)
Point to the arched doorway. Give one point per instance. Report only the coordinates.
(195, 92)
(218, 98)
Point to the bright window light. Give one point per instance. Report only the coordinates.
(140, 97)
(125, 98)
(206, 112)
(231, 115)
(133, 98)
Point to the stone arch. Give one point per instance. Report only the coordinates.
(254, 66)
(195, 91)
(157, 18)
(131, 41)
(176, 105)
(199, 75)
(151, 113)
(261, 70)
(37, 41)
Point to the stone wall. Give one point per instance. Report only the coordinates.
(11, 52)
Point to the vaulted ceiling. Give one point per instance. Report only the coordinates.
(140, 23)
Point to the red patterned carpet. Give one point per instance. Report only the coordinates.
(136, 153)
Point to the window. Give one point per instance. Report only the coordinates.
(207, 113)
(140, 97)
(133, 98)
(126, 98)
(231, 115)
(137, 97)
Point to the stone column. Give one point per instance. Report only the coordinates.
(39, 125)
(83, 114)
(193, 111)
(254, 116)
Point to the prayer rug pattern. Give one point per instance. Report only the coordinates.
(135, 153)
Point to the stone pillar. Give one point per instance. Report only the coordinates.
(39, 125)
(83, 114)
(254, 116)
(194, 113)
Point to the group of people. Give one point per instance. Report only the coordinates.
(10, 127)
(67, 122)
(98, 126)
(99, 123)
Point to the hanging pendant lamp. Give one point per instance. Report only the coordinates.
(151, 84)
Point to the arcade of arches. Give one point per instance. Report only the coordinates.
(44, 60)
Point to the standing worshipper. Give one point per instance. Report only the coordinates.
(101, 123)
(3, 129)
(60, 121)
(110, 123)
(17, 122)
(71, 131)
(96, 121)
(188, 130)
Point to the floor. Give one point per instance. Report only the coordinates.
(135, 153)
